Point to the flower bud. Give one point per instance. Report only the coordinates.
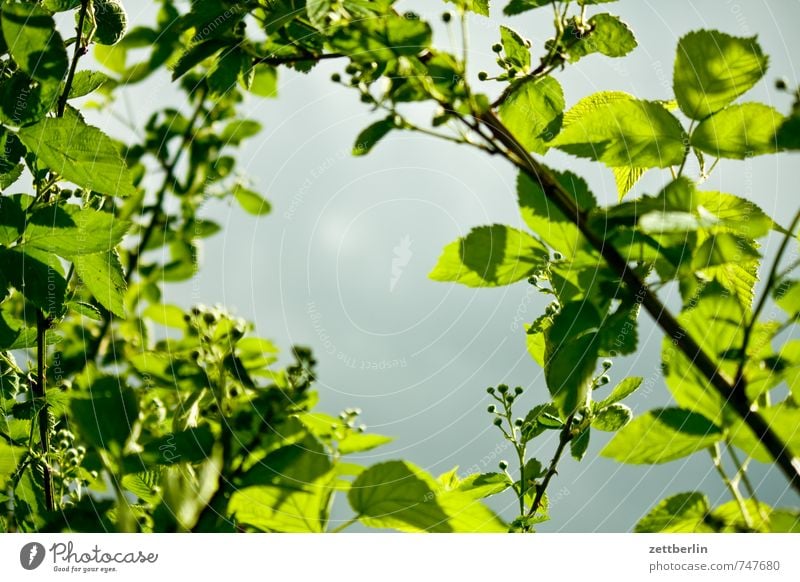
(491, 409)
(483, 75)
(503, 465)
(604, 379)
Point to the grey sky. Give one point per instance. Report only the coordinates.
(417, 355)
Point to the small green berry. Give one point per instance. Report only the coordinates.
(491, 409)
(557, 256)
(781, 84)
(490, 390)
(519, 422)
(512, 73)
(336, 78)
(502, 389)
(503, 465)
(607, 364)
(483, 75)
(497, 47)
(497, 422)
(509, 398)
(604, 379)
(518, 390)
(447, 17)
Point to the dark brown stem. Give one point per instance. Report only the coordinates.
(564, 437)
(277, 61)
(76, 55)
(39, 390)
(733, 394)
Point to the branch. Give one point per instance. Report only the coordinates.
(80, 50)
(733, 394)
(39, 389)
(563, 440)
(277, 61)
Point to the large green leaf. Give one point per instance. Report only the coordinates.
(381, 38)
(517, 51)
(33, 41)
(682, 513)
(398, 495)
(662, 435)
(35, 274)
(80, 153)
(9, 457)
(609, 36)
(490, 256)
(103, 276)
(546, 220)
(70, 231)
(713, 68)
(532, 112)
(107, 414)
(571, 355)
(619, 130)
(739, 131)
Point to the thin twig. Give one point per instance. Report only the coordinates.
(76, 55)
(564, 437)
(716, 458)
(39, 390)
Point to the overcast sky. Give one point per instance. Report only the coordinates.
(417, 355)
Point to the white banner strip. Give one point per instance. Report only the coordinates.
(399, 557)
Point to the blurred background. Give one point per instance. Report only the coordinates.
(341, 264)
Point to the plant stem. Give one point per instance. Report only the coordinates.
(732, 393)
(39, 390)
(741, 473)
(76, 55)
(345, 525)
(564, 437)
(771, 281)
(716, 458)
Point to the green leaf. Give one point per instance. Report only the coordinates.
(357, 442)
(80, 153)
(24, 100)
(621, 391)
(612, 418)
(477, 6)
(619, 130)
(370, 137)
(626, 177)
(166, 315)
(264, 82)
(86, 82)
(579, 445)
(103, 276)
(251, 202)
(482, 485)
(682, 513)
(519, 6)
(546, 220)
(609, 36)
(517, 52)
(227, 69)
(571, 355)
(106, 416)
(317, 11)
(739, 132)
(239, 130)
(713, 68)
(189, 446)
(400, 496)
(533, 112)
(60, 5)
(381, 38)
(732, 261)
(733, 214)
(37, 275)
(662, 435)
(490, 256)
(10, 456)
(33, 41)
(539, 419)
(789, 133)
(70, 231)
